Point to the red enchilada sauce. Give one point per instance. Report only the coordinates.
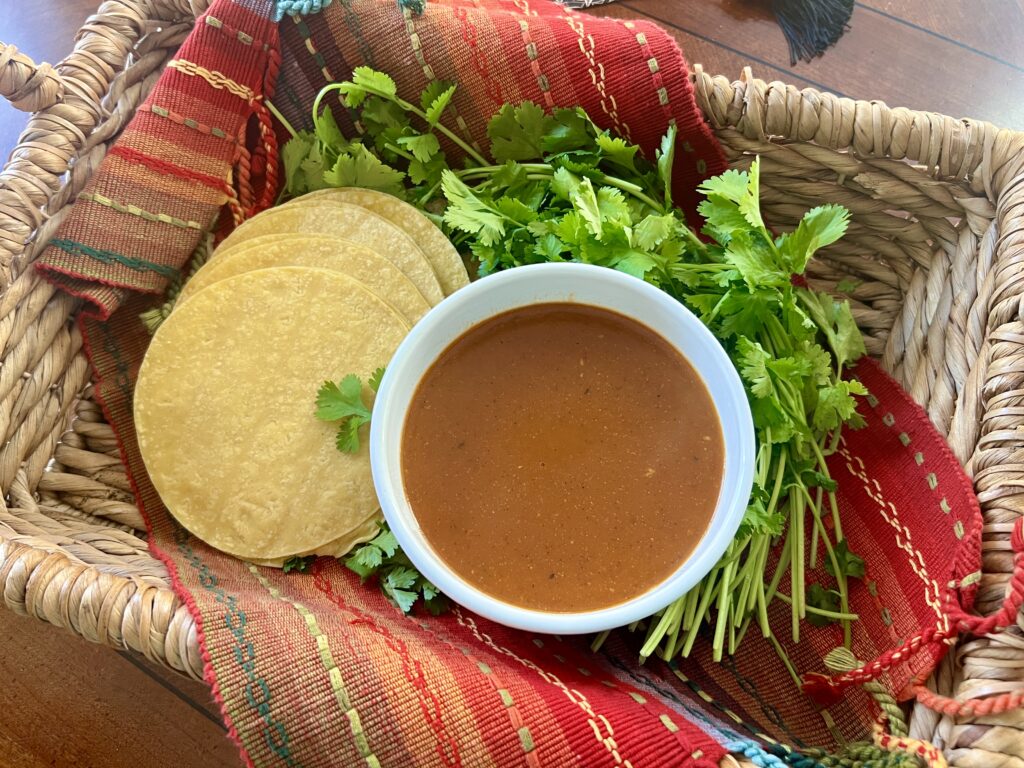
(562, 457)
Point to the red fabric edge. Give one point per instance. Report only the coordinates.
(209, 675)
(968, 558)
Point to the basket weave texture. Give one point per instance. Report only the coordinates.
(936, 243)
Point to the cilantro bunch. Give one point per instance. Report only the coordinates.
(554, 186)
(382, 559)
(397, 576)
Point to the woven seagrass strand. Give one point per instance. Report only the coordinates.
(942, 311)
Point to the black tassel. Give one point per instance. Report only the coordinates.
(811, 26)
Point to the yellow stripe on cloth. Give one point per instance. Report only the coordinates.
(134, 210)
(327, 659)
(216, 79)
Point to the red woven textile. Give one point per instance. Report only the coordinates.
(318, 670)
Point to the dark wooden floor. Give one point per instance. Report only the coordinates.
(68, 703)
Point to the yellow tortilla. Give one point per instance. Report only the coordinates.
(378, 274)
(443, 257)
(337, 548)
(352, 223)
(225, 404)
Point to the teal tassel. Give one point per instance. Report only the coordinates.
(415, 6)
(298, 7)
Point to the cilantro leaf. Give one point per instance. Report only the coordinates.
(730, 185)
(584, 200)
(386, 542)
(816, 479)
(375, 377)
(755, 263)
(469, 213)
(847, 341)
(750, 203)
(312, 170)
(850, 565)
(343, 402)
(516, 132)
(428, 173)
(836, 403)
(347, 438)
(401, 577)
(722, 218)
(753, 362)
(299, 563)
(568, 130)
(369, 557)
(636, 263)
(823, 599)
(666, 156)
(366, 80)
(361, 168)
(423, 147)
(819, 227)
(435, 98)
(564, 184)
(403, 598)
(338, 401)
(293, 153)
(614, 210)
(653, 230)
(327, 131)
(848, 285)
(616, 151)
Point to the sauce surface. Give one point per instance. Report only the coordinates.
(562, 457)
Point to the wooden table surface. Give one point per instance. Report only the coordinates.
(69, 703)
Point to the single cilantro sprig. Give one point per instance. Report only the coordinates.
(343, 402)
(397, 576)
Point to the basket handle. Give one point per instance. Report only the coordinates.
(29, 87)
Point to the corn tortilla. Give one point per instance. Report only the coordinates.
(337, 548)
(443, 257)
(224, 409)
(352, 223)
(383, 278)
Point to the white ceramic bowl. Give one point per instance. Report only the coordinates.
(597, 286)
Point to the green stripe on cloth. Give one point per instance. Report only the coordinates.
(111, 257)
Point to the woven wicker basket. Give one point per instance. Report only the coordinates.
(937, 240)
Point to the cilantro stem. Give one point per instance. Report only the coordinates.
(840, 576)
(836, 615)
(274, 111)
(633, 189)
(490, 170)
(455, 139)
(833, 504)
(399, 151)
(785, 659)
(429, 195)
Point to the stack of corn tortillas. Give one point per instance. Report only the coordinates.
(323, 286)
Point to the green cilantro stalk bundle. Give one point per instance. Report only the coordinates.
(556, 187)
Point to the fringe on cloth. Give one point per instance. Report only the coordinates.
(810, 26)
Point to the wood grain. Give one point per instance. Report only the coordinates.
(992, 27)
(68, 702)
(879, 58)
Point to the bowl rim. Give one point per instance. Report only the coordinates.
(402, 377)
